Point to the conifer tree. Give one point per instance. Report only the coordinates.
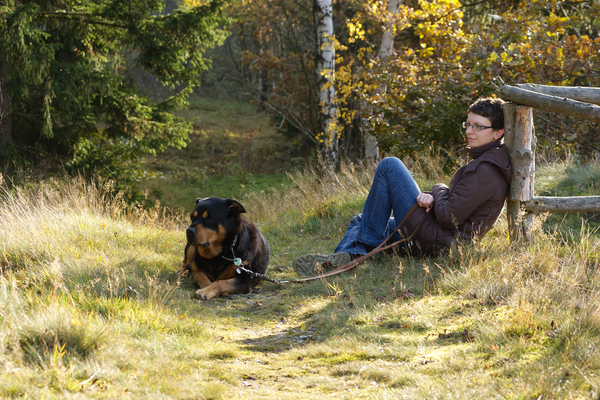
(68, 91)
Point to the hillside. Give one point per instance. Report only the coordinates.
(232, 151)
(90, 306)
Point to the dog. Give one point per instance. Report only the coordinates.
(220, 240)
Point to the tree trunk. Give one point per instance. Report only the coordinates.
(261, 84)
(325, 71)
(387, 41)
(520, 143)
(385, 51)
(5, 118)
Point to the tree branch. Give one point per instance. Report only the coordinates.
(81, 16)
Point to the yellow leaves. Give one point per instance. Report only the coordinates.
(505, 57)
(348, 115)
(356, 31)
(198, 3)
(427, 52)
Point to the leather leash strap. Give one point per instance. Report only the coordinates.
(381, 247)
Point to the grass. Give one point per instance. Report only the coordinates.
(90, 306)
(231, 152)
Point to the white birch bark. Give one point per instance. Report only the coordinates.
(325, 71)
(261, 86)
(387, 41)
(385, 51)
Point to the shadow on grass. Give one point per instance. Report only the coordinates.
(299, 314)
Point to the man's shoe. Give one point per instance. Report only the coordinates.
(313, 264)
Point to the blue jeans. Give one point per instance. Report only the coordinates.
(394, 189)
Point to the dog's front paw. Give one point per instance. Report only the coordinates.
(204, 294)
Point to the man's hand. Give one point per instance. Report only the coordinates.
(425, 200)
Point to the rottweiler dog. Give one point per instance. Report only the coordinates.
(219, 240)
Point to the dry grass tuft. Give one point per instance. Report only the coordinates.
(314, 193)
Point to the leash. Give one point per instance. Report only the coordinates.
(352, 264)
(236, 260)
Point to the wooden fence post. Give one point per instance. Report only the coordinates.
(520, 142)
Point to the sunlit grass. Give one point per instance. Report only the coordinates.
(90, 305)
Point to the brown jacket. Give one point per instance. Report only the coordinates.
(468, 208)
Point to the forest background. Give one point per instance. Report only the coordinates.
(92, 87)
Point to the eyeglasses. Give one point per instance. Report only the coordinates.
(476, 128)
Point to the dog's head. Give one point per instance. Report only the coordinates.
(213, 220)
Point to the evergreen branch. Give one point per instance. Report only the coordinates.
(84, 17)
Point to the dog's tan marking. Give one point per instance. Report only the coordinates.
(187, 259)
(182, 271)
(218, 288)
(205, 214)
(189, 254)
(200, 277)
(214, 240)
(230, 272)
(195, 214)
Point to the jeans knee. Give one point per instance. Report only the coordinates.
(389, 163)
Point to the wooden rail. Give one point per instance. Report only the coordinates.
(519, 136)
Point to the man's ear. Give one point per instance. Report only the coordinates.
(499, 133)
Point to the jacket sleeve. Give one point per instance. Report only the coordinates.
(453, 207)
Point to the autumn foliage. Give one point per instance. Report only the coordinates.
(447, 53)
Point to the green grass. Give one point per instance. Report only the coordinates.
(231, 152)
(90, 306)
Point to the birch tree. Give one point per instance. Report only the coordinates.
(385, 51)
(325, 71)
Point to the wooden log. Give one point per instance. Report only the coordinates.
(513, 208)
(563, 204)
(546, 102)
(528, 228)
(584, 94)
(509, 125)
(513, 214)
(521, 148)
(520, 143)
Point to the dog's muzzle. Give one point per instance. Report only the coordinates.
(190, 232)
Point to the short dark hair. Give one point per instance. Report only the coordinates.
(490, 108)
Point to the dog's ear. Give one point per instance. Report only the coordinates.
(235, 207)
(198, 200)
